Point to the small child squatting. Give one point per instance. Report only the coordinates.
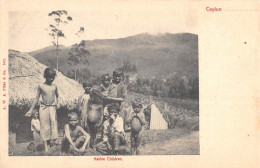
(75, 138)
(136, 119)
(48, 106)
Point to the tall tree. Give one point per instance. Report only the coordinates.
(55, 30)
(78, 56)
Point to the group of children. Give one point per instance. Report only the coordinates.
(115, 125)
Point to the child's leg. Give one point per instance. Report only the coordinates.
(45, 125)
(46, 147)
(133, 143)
(138, 142)
(65, 145)
(117, 139)
(80, 141)
(54, 124)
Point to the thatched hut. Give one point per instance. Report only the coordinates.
(25, 74)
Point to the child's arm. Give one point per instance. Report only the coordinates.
(115, 99)
(87, 138)
(119, 126)
(57, 97)
(129, 117)
(141, 118)
(79, 104)
(29, 113)
(35, 126)
(67, 135)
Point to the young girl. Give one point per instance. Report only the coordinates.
(35, 128)
(49, 104)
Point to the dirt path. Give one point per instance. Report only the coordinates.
(177, 141)
(185, 145)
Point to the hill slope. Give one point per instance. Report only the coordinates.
(163, 54)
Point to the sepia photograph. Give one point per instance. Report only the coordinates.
(94, 83)
(112, 83)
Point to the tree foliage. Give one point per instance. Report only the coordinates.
(60, 18)
(174, 87)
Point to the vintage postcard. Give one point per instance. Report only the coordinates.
(129, 83)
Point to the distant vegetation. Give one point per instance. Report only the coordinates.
(173, 87)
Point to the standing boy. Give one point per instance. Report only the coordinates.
(48, 106)
(118, 92)
(137, 121)
(83, 103)
(104, 87)
(75, 138)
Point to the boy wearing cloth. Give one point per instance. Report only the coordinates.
(48, 106)
(75, 138)
(113, 130)
(136, 119)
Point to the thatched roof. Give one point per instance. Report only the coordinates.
(26, 73)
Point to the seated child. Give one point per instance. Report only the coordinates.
(136, 119)
(75, 137)
(113, 130)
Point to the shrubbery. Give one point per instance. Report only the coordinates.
(174, 87)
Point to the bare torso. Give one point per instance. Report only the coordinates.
(48, 93)
(74, 133)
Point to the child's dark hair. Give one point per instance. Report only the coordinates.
(114, 107)
(72, 114)
(118, 72)
(87, 84)
(105, 77)
(49, 72)
(137, 103)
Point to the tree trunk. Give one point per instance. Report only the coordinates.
(57, 48)
(75, 76)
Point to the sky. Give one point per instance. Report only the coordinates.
(27, 29)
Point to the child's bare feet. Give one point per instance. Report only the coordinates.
(47, 150)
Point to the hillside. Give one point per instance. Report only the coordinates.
(163, 54)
